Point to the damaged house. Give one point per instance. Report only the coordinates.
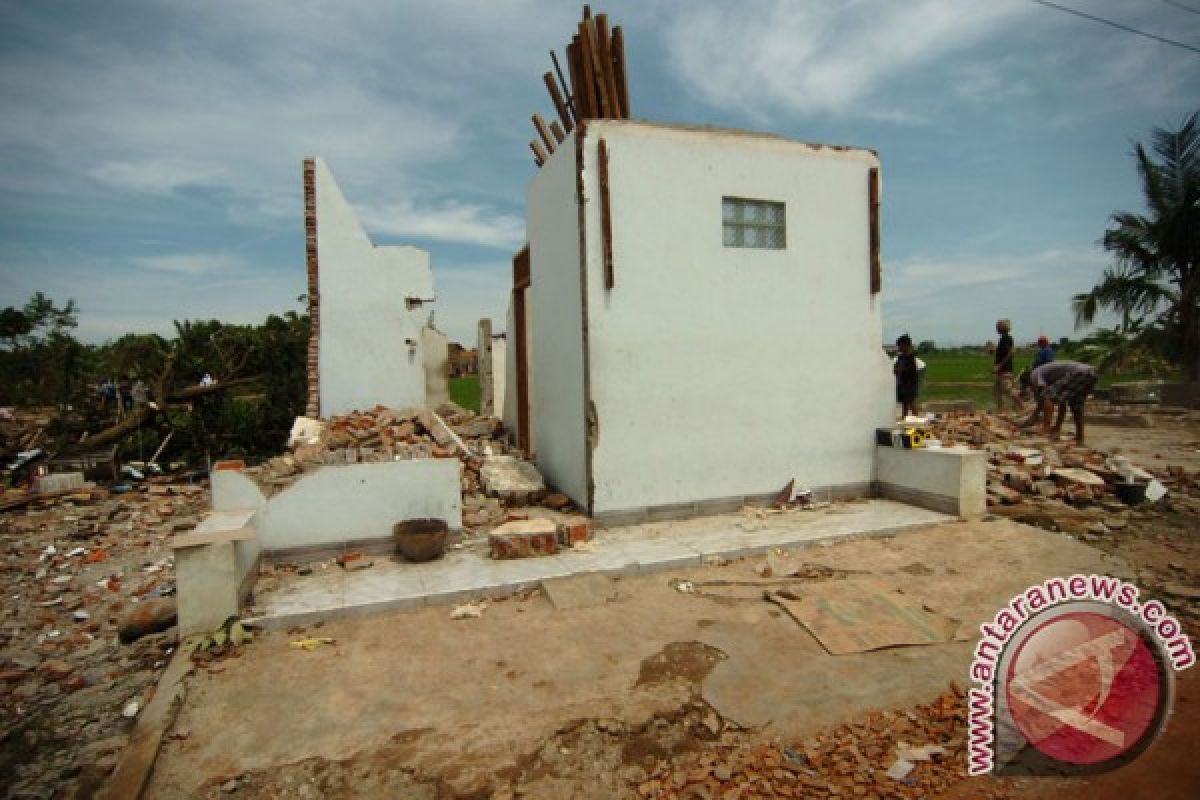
(698, 319)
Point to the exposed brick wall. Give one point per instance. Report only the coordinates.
(313, 408)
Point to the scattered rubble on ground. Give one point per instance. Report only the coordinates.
(913, 753)
(88, 581)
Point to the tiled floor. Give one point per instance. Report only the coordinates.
(465, 574)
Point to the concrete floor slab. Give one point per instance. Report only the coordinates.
(469, 699)
(464, 575)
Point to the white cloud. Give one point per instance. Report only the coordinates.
(452, 221)
(832, 57)
(194, 263)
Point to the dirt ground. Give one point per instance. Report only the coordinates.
(590, 702)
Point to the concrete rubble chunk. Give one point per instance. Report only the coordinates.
(510, 478)
(1078, 476)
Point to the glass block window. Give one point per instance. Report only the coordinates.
(753, 223)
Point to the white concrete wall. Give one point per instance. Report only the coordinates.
(715, 371)
(948, 480)
(556, 329)
(509, 404)
(364, 323)
(499, 375)
(360, 501)
(435, 348)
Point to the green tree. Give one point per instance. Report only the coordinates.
(1155, 282)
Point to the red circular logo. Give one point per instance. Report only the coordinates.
(1084, 688)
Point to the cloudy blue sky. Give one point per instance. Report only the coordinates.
(150, 152)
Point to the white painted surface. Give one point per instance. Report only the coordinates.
(556, 340)
(364, 358)
(715, 371)
(360, 501)
(499, 375)
(233, 491)
(206, 580)
(435, 347)
(958, 476)
(509, 406)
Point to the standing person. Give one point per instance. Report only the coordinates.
(1045, 353)
(1062, 383)
(905, 368)
(1003, 386)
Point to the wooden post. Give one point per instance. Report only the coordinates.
(557, 98)
(620, 76)
(544, 132)
(873, 217)
(606, 217)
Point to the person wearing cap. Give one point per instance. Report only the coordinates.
(1066, 384)
(1045, 353)
(1003, 387)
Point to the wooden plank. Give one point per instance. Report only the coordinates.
(570, 98)
(521, 276)
(619, 73)
(539, 155)
(574, 62)
(557, 130)
(560, 105)
(606, 217)
(591, 47)
(604, 48)
(587, 74)
(544, 132)
(873, 216)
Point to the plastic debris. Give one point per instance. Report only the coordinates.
(312, 643)
(131, 709)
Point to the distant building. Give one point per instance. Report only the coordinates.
(463, 362)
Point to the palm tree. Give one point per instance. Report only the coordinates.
(1155, 285)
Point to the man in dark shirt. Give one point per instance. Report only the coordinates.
(1003, 387)
(906, 376)
(1062, 383)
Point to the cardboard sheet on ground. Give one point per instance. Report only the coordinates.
(861, 615)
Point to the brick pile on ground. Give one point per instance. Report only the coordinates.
(386, 434)
(1074, 484)
(86, 630)
(851, 761)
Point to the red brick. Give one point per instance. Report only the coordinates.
(524, 538)
(574, 531)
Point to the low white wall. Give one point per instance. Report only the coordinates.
(717, 371)
(556, 328)
(360, 501)
(364, 323)
(948, 480)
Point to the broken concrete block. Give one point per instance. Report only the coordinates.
(511, 479)
(305, 431)
(524, 538)
(1076, 476)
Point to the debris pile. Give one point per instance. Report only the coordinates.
(1060, 476)
(897, 754)
(86, 630)
(495, 477)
